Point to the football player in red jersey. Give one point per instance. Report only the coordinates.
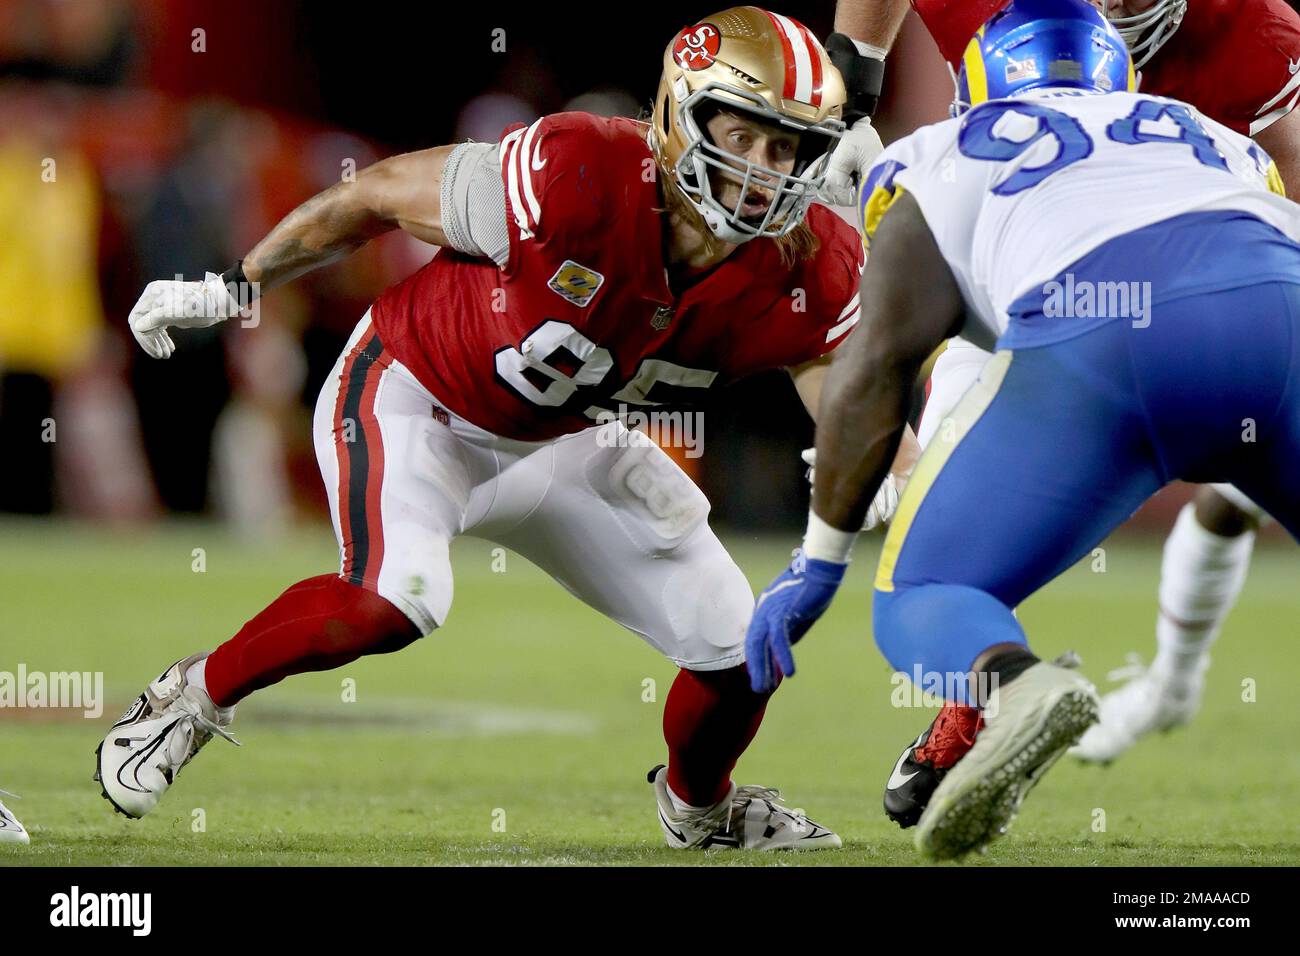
(1238, 62)
(589, 266)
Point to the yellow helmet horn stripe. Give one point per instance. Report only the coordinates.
(977, 81)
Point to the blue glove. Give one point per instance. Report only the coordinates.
(785, 610)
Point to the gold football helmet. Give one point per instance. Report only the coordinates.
(749, 61)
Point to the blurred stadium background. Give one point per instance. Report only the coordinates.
(140, 139)
(143, 139)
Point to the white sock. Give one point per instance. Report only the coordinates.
(1200, 578)
(681, 806)
(197, 675)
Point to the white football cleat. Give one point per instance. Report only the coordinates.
(158, 735)
(11, 831)
(1149, 701)
(1028, 724)
(748, 818)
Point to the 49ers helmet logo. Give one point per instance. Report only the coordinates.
(697, 47)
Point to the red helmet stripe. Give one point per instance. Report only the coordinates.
(816, 63)
(803, 68)
(787, 53)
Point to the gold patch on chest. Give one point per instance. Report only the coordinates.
(576, 283)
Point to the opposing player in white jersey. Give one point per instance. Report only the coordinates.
(1234, 62)
(1139, 275)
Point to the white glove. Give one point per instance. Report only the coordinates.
(883, 505)
(849, 163)
(171, 303)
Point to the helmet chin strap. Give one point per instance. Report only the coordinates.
(958, 105)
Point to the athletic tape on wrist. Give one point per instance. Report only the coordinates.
(823, 542)
(864, 76)
(241, 290)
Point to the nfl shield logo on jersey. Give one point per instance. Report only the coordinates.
(576, 283)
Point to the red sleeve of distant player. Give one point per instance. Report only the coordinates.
(953, 22)
(557, 180)
(831, 280)
(1261, 81)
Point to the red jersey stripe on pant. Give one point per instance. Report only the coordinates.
(361, 461)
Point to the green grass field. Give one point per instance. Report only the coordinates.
(519, 734)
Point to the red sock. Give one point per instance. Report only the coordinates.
(318, 624)
(709, 719)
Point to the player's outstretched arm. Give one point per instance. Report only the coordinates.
(910, 303)
(402, 192)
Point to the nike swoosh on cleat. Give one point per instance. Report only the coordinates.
(137, 762)
(669, 827)
(897, 778)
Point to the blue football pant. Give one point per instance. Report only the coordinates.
(1056, 446)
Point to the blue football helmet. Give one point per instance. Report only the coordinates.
(1039, 43)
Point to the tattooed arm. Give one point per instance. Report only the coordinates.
(402, 192)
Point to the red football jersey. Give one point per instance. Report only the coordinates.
(1237, 61)
(953, 22)
(581, 319)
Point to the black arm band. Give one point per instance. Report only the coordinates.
(243, 291)
(864, 77)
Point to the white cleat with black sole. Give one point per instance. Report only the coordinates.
(748, 818)
(1029, 723)
(158, 735)
(1148, 702)
(11, 831)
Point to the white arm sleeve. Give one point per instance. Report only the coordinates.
(474, 202)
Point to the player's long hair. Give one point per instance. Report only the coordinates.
(797, 245)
